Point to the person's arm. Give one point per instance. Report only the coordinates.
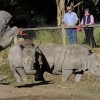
(64, 21)
(92, 20)
(76, 20)
(75, 23)
(65, 24)
(81, 22)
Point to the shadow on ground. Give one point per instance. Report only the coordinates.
(34, 84)
(5, 83)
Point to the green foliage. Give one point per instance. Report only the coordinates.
(38, 21)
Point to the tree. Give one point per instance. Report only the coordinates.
(60, 11)
(49, 9)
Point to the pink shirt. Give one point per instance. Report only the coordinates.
(91, 20)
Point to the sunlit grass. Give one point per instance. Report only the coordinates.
(55, 36)
(48, 36)
(45, 36)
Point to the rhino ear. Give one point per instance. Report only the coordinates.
(90, 52)
(22, 47)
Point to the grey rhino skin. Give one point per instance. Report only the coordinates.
(78, 63)
(23, 60)
(6, 32)
(69, 59)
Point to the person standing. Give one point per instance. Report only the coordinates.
(88, 20)
(70, 20)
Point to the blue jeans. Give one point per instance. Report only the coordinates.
(72, 35)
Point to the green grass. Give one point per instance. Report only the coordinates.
(48, 36)
(94, 90)
(43, 36)
(55, 36)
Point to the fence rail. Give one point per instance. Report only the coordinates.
(46, 28)
(62, 28)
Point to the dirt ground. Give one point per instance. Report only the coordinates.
(52, 89)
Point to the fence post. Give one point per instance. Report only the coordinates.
(63, 35)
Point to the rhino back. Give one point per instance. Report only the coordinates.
(51, 52)
(70, 55)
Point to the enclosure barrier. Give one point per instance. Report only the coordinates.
(54, 28)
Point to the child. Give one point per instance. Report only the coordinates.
(88, 20)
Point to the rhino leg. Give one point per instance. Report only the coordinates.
(78, 74)
(56, 72)
(39, 75)
(16, 74)
(22, 74)
(78, 77)
(66, 74)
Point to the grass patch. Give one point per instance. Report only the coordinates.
(45, 36)
(95, 90)
(55, 36)
(48, 36)
(5, 70)
(4, 66)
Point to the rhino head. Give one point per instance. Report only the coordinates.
(94, 65)
(29, 59)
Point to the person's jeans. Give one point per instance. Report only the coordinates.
(72, 35)
(89, 36)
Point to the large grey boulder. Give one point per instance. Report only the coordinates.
(6, 32)
(8, 36)
(4, 20)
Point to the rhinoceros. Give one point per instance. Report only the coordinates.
(69, 59)
(24, 60)
(77, 63)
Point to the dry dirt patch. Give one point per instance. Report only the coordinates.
(54, 90)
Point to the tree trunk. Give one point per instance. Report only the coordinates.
(60, 11)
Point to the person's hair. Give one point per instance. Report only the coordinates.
(87, 9)
(68, 6)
